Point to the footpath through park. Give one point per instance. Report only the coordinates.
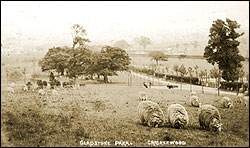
(184, 85)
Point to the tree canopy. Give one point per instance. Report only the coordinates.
(158, 56)
(122, 44)
(182, 70)
(78, 62)
(223, 49)
(55, 59)
(143, 41)
(111, 60)
(78, 35)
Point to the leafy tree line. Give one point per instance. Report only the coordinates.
(80, 60)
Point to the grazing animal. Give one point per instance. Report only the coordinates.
(242, 98)
(170, 86)
(55, 92)
(210, 118)
(10, 89)
(193, 93)
(151, 114)
(239, 98)
(12, 85)
(246, 100)
(227, 102)
(145, 85)
(25, 88)
(143, 96)
(195, 101)
(41, 92)
(177, 116)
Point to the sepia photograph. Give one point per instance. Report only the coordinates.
(124, 73)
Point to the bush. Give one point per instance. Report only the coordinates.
(44, 83)
(15, 76)
(69, 83)
(160, 75)
(29, 84)
(37, 76)
(194, 80)
(231, 85)
(40, 84)
(58, 83)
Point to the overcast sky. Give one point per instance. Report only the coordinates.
(106, 21)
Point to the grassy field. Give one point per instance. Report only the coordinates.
(108, 112)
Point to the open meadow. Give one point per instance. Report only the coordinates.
(108, 112)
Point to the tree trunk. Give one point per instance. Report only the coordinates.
(181, 83)
(190, 85)
(105, 77)
(237, 91)
(91, 76)
(202, 89)
(219, 83)
(62, 72)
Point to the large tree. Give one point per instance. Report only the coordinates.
(158, 56)
(79, 62)
(55, 59)
(143, 41)
(223, 49)
(78, 35)
(122, 44)
(111, 60)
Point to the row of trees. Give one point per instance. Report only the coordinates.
(222, 49)
(80, 60)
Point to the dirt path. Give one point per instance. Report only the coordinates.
(184, 86)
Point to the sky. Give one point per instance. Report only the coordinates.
(45, 22)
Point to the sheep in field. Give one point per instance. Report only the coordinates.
(177, 116)
(242, 98)
(209, 118)
(246, 100)
(195, 101)
(151, 114)
(10, 89)
(239, 98)
(193, 93)
(143, 96)
(227, 102)
(41, 92)
(12, 85)
(25, 88)
(55, 92)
